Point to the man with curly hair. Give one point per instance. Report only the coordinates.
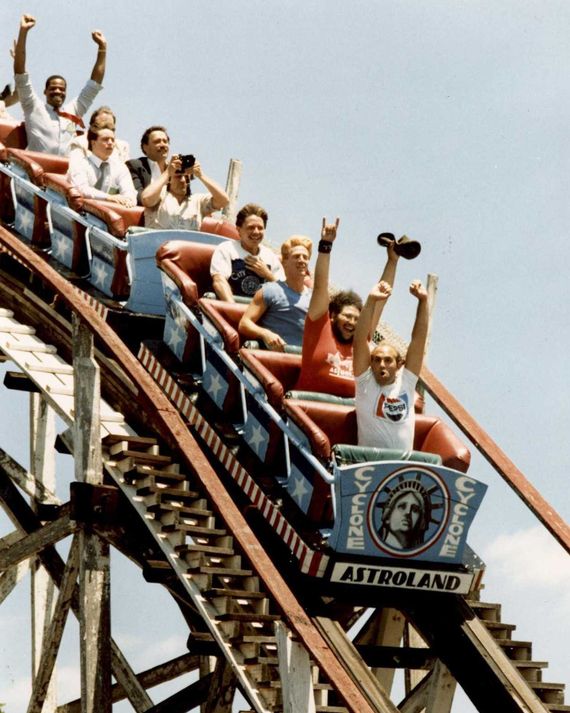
(329, 328)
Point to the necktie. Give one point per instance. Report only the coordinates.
(77, 120)
(102, 181)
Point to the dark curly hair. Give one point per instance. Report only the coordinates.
(344, 298)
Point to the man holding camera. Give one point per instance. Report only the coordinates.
(170, 204)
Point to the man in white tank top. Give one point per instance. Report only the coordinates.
(385, 381)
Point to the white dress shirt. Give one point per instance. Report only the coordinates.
(84, 172)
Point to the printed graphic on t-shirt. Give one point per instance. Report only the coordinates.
(393, 408)
(242, 280)
(340, 366)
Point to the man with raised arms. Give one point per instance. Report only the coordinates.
(241, 267)
(385, 381)
(51, 126)
(329, 328)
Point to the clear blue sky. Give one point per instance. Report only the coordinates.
(443, 120)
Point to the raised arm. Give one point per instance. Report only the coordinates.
(388, 276)
(417, 346)
(320, 298)
(98, 72)
(26, 24)
(249, 328)
(219, 196)
(374, 304)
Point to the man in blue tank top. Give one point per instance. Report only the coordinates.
(276, 315)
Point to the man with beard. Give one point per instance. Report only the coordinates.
(50, 127)
(385, 381)
(329, 328)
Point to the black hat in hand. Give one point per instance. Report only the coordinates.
(405, 247)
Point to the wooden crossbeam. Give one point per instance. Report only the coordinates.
(25, 480)
(151, 677)
(11, 577)
(52, 641)
(38, 540)
(23, 517)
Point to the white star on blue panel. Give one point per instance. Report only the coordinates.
(100, 273)
(175, 337)
(300, 489)
(61, 247)
(256, 436)
(215, 386)
(24, 222)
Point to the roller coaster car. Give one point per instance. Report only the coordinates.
(224, 318)
(330, 428)
(188, 266)
(29, 200)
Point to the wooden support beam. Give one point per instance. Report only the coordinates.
(185, 700)
(11, 577)
(333, 633)
(441, 690)
(52, 640)
(25, 480)
(295, 673)
(29, 545)
(127, 679)
(384, 628)
(232, 189)
(151, 677)
(23, 517)
(94, 580)
(222, 688)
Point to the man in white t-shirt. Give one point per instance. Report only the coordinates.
(241, 267)
(385, 381)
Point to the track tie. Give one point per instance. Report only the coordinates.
(194, 530)
(182, 550)
(234, 593)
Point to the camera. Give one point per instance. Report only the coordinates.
(187, 161)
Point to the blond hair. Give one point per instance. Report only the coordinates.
(294, 242)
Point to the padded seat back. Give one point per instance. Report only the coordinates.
(276, 371)
(225, 316)
(327, 424)
(12, 135)
(219, 226)
(117, 218)
(109, 257)
(188, 265)
(66, 233)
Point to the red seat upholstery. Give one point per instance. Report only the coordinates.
(225, 316)
(67, 229)
(58, 182)
(35, 164)
(117, 218)
(188, 265)
(12, 135)
(277, 372)
(219, 226)
(326, 424)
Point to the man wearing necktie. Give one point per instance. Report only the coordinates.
(51, 126)
(100, 174)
